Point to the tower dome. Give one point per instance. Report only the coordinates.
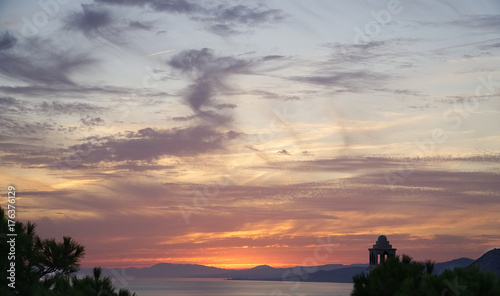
(382, 239)
(381, 250)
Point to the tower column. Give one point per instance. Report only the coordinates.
(381, 248)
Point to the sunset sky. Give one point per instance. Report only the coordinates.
(241, 133)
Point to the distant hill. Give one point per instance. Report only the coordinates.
(461, 262)
(338, 275)
(325, 273)
(262, 272)
(266, 272)
(345, 275)
(490, 261)
(164, 270)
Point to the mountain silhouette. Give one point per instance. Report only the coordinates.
(489, 261)
(324, 273)
(461, 262)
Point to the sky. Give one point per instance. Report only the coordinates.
(242, 133)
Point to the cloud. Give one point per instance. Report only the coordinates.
(225, 106)
(220, 19)
(400, 92)
(139, 25)
(136, 151)
(229, 20)
(375, 175)
(273, 57)
(340, 164)
(184, 118)
(247, 15)
(9, 105)
(491, 22)
(494, 45)
(7, 101)
(32, 155)
(223, 30)
(16, 120)
(484, 23)
(350, 81)
(68, 108)
(275, 96)
(362, 53)
(272, 218)
(48, 66)
(15, 128)
(348, 68)
(284, 152)
(142, 167)
(92, 121)
(208, 74)
(172, 6)
(18, 116)
(94, 22)
(152, 144)
(175, 6)
(461, 100)
(7, 41)
(73, 90)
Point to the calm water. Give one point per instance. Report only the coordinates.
(218, 287)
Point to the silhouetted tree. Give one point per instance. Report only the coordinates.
(470, 281)
(400, 276)
(47, 267)
(95, 285)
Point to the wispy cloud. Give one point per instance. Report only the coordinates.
(39, 61)
(229, 20)
(488, 22)
(269, 123)
(140, 25)
(56, 107)
(97, 23)
(173, 6)
(209, 76)
(345, 81)
(221, 19)
(152, 144)
(7, 41)
(73, 90)
(91, 21)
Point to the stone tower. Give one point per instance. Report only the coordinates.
(381, 249)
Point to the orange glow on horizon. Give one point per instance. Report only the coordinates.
(277, 257)
(147, 262)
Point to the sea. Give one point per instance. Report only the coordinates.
(221, 287)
